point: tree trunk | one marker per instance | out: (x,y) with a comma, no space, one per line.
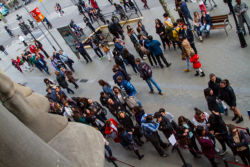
(164,5)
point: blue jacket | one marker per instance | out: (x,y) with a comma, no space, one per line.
(119,73)
(148,128)
(81,48)
(154,47)
(128,87)
(207,18)
(184,9)
(108,90)
(119,47)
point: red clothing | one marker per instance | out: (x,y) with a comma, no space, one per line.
(207,147)
(203,7)
(109,132)
(195,61)
(32,49)
(94,4)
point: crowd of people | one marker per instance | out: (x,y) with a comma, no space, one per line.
(120,116)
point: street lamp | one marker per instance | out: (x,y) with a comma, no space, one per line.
(238,28)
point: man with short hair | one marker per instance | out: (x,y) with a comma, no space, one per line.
(80,47)
(65,59)
(146,74)
(241,11)
(186,32)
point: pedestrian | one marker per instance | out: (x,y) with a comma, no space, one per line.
(149,130)
(69,76)
(119,46)
(16,65)
(145,2)
(62,82)
(120,96)
(21,38)
(130,59)
(119,72)
(66,60)
(57,63)
(207,145)
(111,130)
(241,11)
(68,113)
(9,31)
(117,30)
(125,4)
(175,35)
(87,22)
(200,118)
(202,5)
(214,84)
(99,111)
(197,65)
(58,9)
(186,32)
(143,40)
(80,47)
(146,74)
(115,107)
(141,29)
(94,4)
(197,25)
(39,46)
(206,23)
(154,47)
(106,87)
(126,85)
(127,141)
(187,50)
(212,103)
(94,43)
(41,64)
(119,62)
(238,141)
(119,9)
(160,30)
(48,23)
(107,51)
(2,48)
(227,94)
(185,13)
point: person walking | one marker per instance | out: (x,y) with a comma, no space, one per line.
(146,74)
(21,38)
(187,50)
(145,2)
(69,76)
(80,47)
(39,45)
(154,47)
(94,43)
(149,130)
(62,82)
(2,48)
(87,22)
(125,4)
(126,85)
(227,94)
(41,64)
(66,60)
(241,11)
(186,32)
(185,12)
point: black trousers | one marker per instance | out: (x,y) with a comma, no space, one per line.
(150,58)
(161,57)
(45,53)
(193,46)
(70,66)
(86,56)
(98,52)
(91,27)
(157,142)
(212,161)
(193,148)
(165,41)
(245,156)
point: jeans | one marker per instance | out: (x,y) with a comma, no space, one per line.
(197,30)
(188,62)
(205,28)
(187,17)
(151,79)
(135,67)
(45,68)
(98,52)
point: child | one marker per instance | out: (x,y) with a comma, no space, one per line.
(197,65)
(107,51)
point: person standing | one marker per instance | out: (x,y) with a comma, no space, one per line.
(21,38)
(185,12)
(160,30)
(39,45)
(145,2)
(149,130)
(146,74)
(87,22)
(125,4)
(94,43)
(241,11)
(187,50)
(65,59)
(186,32)
(227,94)
(62,82)
(117,29)
(130,59)
(154,47)
(80,47)
(2,48)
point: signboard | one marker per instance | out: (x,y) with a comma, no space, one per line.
(37,15)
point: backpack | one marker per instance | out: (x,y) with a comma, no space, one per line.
(131,101)
(146,71)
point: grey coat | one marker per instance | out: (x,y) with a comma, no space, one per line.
(238,9)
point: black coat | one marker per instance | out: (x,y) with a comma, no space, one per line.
(2,48)
(215,86)
(166,127)
(127,123)
(61,81)
(160,30)
(217,124)
(212,104)
(227,94)
(188,34)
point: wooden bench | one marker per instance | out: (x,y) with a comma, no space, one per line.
(220,22)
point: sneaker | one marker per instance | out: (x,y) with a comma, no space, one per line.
(202,74)
(235,117)
(169,64)
(226,111)
(223,152)
(160,93)
(164,155)
(240,120)
(186,70)
(197,73)
(141,157)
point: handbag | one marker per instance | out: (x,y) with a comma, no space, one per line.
(144,50)
(131,101)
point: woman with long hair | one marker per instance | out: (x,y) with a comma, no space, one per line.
(106,87)
(160,30)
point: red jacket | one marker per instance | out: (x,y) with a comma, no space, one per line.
(108,130)
(195,61)
(94,4)
(32,49)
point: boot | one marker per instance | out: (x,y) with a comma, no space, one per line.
(240,120)
(138,154)
(235,117)
(202,74)
(197,73)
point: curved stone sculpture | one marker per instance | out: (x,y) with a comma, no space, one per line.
(32,137)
